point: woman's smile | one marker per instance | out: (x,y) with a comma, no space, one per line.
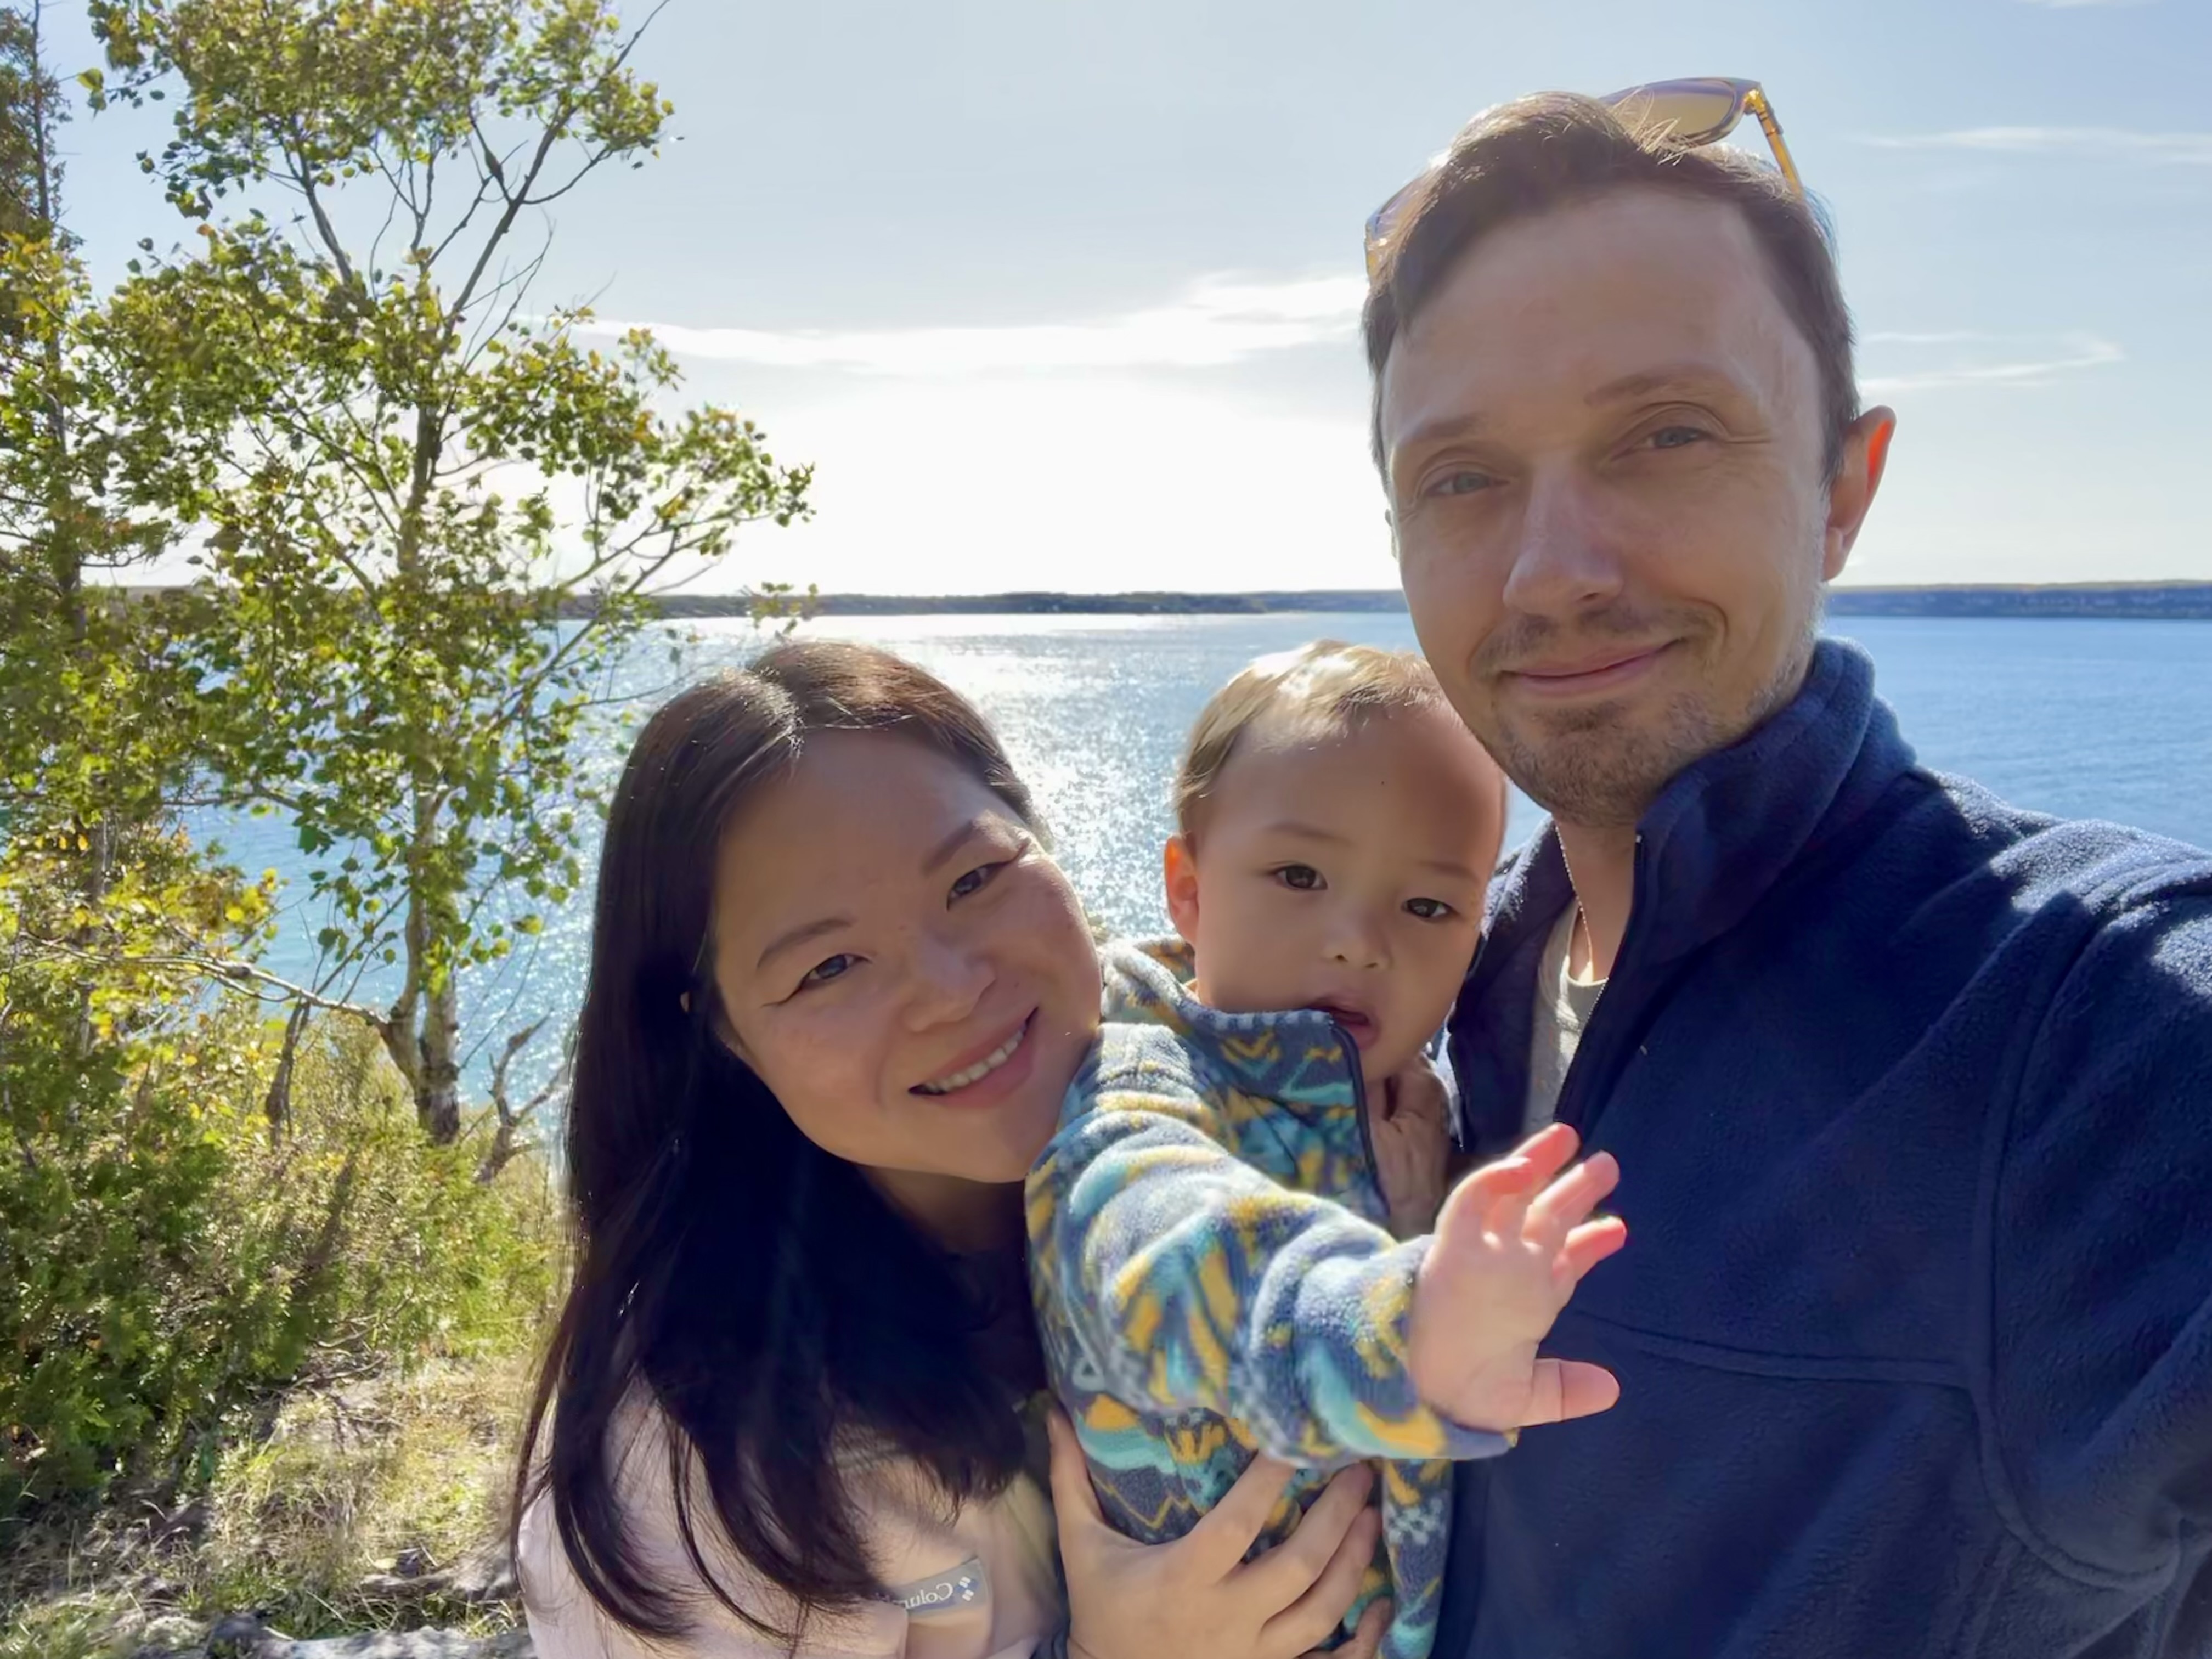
(963,1081)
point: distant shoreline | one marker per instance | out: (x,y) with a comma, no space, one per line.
(2160,601)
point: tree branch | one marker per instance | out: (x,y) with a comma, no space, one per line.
(229,969)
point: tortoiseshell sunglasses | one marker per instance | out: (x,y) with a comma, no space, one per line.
(1686,113)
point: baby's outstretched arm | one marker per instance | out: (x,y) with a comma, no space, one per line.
(1185,1279)
(1513,1241)
(1188,1279)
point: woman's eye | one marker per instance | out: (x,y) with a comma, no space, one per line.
(827,969)
(1428,909)
(975,879)
(1302,876)
(1677,437)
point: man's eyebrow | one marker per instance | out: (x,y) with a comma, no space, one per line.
(1667,377)
(1438,429)
(799,935)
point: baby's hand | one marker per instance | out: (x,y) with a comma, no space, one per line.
(1411,1134)
(1513,1240)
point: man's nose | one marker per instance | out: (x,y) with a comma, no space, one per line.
(1564,559)
(949,978)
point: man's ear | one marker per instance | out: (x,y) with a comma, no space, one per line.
(1851,492)
(1179,868)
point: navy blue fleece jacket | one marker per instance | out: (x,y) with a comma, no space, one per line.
(1913,1097)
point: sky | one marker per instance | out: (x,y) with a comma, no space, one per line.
(1058,295)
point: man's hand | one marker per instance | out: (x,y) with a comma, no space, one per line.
(1412,1135)
(1513,1241)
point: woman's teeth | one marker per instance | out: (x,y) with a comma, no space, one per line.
(981,1069)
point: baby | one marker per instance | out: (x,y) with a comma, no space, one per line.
(1212,1251)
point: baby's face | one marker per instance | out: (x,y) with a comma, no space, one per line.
(1345,874)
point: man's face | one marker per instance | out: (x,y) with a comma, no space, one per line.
(1602,439)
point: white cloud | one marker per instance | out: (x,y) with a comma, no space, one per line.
(1217,321)
(1986,360)
(2166,149)
(1085,483)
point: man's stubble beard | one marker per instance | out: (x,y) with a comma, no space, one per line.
(1594,768)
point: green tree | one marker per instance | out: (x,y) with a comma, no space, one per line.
(405,477)
(30,107)
(166,1260)
(93,730)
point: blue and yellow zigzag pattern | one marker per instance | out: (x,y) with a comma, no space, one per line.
(1213,1279)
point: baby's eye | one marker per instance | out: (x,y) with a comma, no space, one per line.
(827,969)
(1428,909)
(975,880)
(1302,877)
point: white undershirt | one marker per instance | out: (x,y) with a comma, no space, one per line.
(1564,1006)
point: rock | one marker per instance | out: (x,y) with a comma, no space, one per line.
(485,1575)
(412,1645)
(412,1562)
(171,1636)
(399,1587)
(243,1636)
(189,1522)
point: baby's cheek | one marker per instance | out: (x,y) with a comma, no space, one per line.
(1241,980)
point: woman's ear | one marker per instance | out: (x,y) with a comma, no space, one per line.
(719,1028)
(1179,866)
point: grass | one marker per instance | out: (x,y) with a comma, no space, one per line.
(302,1525)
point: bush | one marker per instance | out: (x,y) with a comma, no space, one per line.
(168,1254)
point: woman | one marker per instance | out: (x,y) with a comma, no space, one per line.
(836,989)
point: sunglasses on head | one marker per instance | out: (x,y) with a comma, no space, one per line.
(1686,114)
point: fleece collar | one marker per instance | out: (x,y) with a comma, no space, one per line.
(1720,836)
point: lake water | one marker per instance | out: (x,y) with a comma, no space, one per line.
(2082,718)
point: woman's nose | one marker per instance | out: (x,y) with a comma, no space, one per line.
(949,978)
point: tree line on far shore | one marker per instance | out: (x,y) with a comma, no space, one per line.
(2171,601)
(325,392)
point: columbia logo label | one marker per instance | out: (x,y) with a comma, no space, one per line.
(963,1586)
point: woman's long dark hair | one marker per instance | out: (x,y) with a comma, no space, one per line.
(771,1302)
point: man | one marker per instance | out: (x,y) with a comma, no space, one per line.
(1911,1092)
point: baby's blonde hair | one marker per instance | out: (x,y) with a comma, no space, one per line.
(1318,690)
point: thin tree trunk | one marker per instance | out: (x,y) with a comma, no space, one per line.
(438,1098)
(64,548)
(276,1106)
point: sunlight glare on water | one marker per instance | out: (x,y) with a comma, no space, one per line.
(2079,718)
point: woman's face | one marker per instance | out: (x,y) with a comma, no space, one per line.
(903,965)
